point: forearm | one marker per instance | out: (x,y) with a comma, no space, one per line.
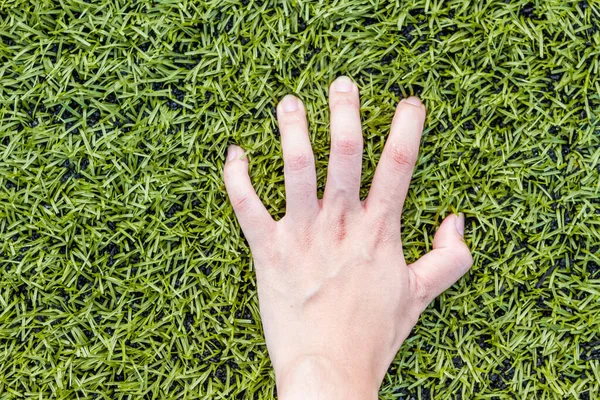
(316,378)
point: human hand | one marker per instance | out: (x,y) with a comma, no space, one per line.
(336,296)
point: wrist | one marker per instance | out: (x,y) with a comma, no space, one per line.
(315,377)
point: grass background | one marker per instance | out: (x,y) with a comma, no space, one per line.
(123,271)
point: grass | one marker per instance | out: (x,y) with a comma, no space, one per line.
(123,271)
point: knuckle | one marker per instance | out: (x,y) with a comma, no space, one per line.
(339,227)
(298,162)
(292,119)
(343,100)
(402,155)
(421,290)
(383,233)
(348,146)
(240,202)
(337,220)
(228,171)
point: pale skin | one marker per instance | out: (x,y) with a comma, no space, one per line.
(337,298)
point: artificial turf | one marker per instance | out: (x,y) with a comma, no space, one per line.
(124,273)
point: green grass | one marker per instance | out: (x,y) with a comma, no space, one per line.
(123,270)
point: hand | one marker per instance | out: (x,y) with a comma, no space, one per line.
(336,296)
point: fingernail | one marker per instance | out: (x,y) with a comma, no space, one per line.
(289,103)
(414,101)
(459,222)
(231,152)
(343,84)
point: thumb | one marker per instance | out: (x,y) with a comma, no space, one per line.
(439,269)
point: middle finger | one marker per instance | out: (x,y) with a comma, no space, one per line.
(345,160)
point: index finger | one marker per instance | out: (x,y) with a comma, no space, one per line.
(395,168)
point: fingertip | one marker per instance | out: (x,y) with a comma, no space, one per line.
(413,100)
(289,103)
(344,97)
(234,152)
(459,223)
(460,247)
(343,84)
(231,152)
(411,105)
(450,234)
